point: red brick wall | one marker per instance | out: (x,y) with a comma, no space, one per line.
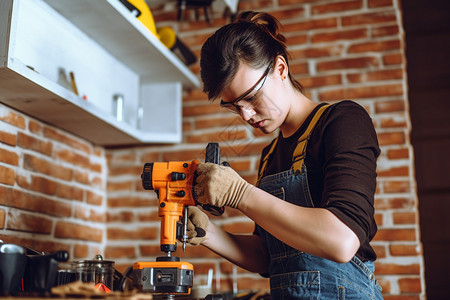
(57,191)
(52,187)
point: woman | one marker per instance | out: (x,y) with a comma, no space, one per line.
(313,202)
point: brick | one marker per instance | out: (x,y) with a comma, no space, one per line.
(383,31)
(380,251)
(402,153)
(319,81)
(296,39)
(410,285)
(286,15)
(336,7)
(380,3)
(150,250)
(394,203)
(35,127)
(66,139)
(32,143)
(150,157)
(132,201)
(125,170)
(376,76)
(69,192)
(340,35)
(395,235)
(314,24)
(68,155)
(199,110)
(145,233)
(29,223)
(9,157)
(203,269)
(31,202)
(8,138)
(405,250)
(347,63)
(391,138)
(122,217)
(362,92)
(120,186)
(148,216)
(96,167)
(316,52)
(44,166)
(398,269)
(394,171)
(81,177)
(7,175)
(94,198)
(2,218)
(394,122)
(86,214)
(120,252)
(394,186)
(393,59)
(218,122)
(81,251)
(12,118)
(71,230)
(389,106)
(405,218)
(369,18)
(378,46)
(299,68)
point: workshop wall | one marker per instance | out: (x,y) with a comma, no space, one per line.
(60,192)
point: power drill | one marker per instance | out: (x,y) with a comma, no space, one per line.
(173,182)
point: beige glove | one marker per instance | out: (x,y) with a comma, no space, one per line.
(197,224)
(220,185)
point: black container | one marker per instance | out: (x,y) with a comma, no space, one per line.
(12,269)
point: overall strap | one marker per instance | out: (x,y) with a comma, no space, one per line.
(299,152)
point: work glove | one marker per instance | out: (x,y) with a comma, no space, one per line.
(197,224)
(220,185)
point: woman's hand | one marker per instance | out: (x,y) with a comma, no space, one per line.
(197,225)
(220,186)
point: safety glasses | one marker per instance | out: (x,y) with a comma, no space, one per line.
(236,108)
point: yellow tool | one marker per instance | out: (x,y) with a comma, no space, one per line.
(173,182)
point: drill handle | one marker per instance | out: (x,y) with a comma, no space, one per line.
(212,155)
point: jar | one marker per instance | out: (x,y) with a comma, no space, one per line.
(95,271)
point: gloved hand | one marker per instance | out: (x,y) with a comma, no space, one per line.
(220,185)
(197,224)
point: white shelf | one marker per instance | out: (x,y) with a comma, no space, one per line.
(109,51)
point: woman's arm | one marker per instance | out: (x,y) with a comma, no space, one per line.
(316,231)
(246,251)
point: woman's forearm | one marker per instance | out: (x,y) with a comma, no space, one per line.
(246,251)
(316,231)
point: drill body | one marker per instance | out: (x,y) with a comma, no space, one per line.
(174,184)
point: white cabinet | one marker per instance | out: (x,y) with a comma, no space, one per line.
(109,52)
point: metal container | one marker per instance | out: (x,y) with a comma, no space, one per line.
(95,271)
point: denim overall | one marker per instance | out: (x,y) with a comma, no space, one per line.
(297,275)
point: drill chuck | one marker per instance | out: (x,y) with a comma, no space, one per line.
(146,176)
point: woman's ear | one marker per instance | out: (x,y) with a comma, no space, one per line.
(281,68)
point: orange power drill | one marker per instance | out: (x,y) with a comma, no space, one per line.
(173,182)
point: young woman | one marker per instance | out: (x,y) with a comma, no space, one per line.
(313,202)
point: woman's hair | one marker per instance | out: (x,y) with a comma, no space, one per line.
(254,38)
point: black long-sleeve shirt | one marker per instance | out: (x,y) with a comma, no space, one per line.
(341,163)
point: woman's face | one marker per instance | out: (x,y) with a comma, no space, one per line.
(252,94)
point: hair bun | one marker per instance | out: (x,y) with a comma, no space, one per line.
(265,21)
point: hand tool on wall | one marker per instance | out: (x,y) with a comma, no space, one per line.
(173,182)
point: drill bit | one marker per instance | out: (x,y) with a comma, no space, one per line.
(185,221)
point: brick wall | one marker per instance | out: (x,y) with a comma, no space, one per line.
(52,187)
(70,194)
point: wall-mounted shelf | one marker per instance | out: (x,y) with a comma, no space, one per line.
(109,51)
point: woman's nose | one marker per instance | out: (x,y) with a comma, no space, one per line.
(246,113)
